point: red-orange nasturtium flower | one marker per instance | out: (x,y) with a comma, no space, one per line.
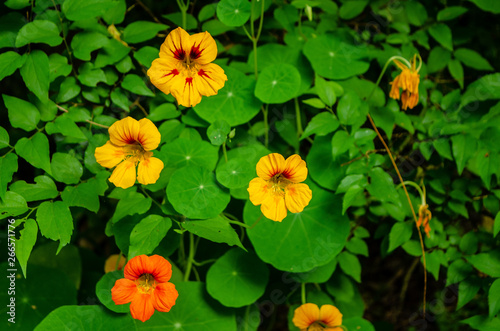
(184,67)
(279,187)
(146,286)
(408,81)
(129,146)
(309,317)
(112,263)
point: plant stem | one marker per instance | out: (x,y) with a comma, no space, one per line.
(298,117)
(383,71)
(303,293)
(266,125)
(190,257)
(224,150)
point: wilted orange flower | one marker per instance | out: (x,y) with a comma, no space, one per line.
(424,216)
(277,188)
(408,80)
(130,144)
(309,317)
(111,263)
(146,286)
(184,67)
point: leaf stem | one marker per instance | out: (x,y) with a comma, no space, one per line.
(224,150)
(266,125)
(299,119)
(303,293)
(190,257)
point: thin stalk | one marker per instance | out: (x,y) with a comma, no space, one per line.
(224,151)
(266,125)
(383,71)
(190,257)
(298,117)
(303,293)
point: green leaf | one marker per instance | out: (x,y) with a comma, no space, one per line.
(488,263)
(112,53)
(417,15)
(442,145)
(442,33)
(12,205)
(349,263)
(235,173)
(469,243)
(463,147)
(496,226)
(85,42)
(165,111)
(90,76)
(22,114)
(9,62)
(133,203)
(382,186)
(438,58)
(147,234)
(278,84)
(4,138)
(491,6)
(35,73)
(39,31)
(120,99)
(55,222)
(467,289)
(472,59)
(318,275)
(357,246)
(234,12)
(58,66)
(494,298)
(194,193)
(400,233)
(84,195)
(135,84)
(458,271)
(183,152)
(146,55)
(304,240)
(25,243)
(35,151)
(215,229)
(349,108)
(485,88)
(314,102)
(327,90)
(76,10)
(217,132)
(357,323)
(140,31)
(45,188)
(68,90)
(334,59)
(103,291)
(457,71)
(321,125)
(351,9)
(65,126)
(450,13)
(237,278)
(66,168)
(8,166)
(116,14)
(17,4)
(207,11)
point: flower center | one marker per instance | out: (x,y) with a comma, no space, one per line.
(278,183)
(316,326)
(146,283)
(135,152)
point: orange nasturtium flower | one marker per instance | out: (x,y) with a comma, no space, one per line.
(278,186)
(408,81)
(112,263)
(309,317)
(184,67)
(424,216)
(146,286)
(130,144)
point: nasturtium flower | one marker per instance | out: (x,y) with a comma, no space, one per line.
(309,317)
(129,146)
(146,286)
(184,67)
(113,264)
(408,81)
(278,186)
(424,216)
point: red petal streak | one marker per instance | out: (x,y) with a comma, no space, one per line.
(189,81)
(195,52)
(203,73)
(179,53)
(174,72)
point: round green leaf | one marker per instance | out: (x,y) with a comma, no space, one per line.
(278,83)
(194,193)
(183,152)
(217,132)
(235,102)
(66,168)
(235,173)
(323,168)
(302,241)
(39,31)
(237,278)
(332,58)
(234,12)
(103,291)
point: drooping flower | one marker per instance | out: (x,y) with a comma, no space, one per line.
(309,317)
(146,286)
(408,81)
(424,216)
(113,264)
(278,186)
(129,146)
(184,67)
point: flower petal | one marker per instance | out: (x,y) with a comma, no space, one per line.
(305,315)
(297,196)
(110,264)
(137,266)
(270,165)
(124,175)
(164,74)
(109,155)
(124,291)
(160,268)
(330,315)
(176,46)
(210,79)
(141,307)
(164,296)
(124,132)
(273,207)
(258,191)
(203,48)
(149,136)
(185,90)
(149,170)
(295,169)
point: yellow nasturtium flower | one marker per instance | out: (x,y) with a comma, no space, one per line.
(408,81)
(279,187)
(309,317)
(184,67)
(129,146)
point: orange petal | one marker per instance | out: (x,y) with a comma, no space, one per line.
(160,268)
(110,264)
(164,73)
(124,132)
(109,155)
(149,170)
(273,207)
(141,307)
(164,297)
(123,292)
(210,79)
(297,196)
(136,266)
(176,46)
(258,190)
(270,165)
(330,315)
(124,175)
(295,169)
(149,136)
(400,65)
(305,315)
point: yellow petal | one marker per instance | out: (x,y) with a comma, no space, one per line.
(305,315)
(149,136)
(164,73)
(124,132)
(124,175)
(210,79)
(176,46)
(270,165)
(297,196)
(149,170)
(330,315)
(273,207)
(258,190)
(203,48)
(109,155)
(295,169)
(400,65)
(185,90)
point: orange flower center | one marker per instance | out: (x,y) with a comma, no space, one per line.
(278,183)
(146,283)
(136,153)
(316,326)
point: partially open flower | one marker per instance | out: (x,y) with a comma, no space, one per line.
(309,317)
(113,264)
(424,216)
(408,81)
(184,67)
